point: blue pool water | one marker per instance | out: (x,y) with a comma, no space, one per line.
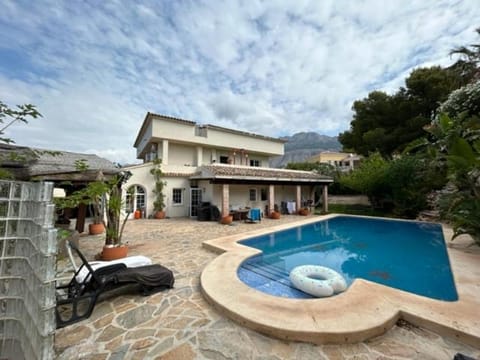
(406,255)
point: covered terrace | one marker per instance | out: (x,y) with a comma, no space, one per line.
(302,182)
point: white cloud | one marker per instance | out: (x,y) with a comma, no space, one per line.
(276,68)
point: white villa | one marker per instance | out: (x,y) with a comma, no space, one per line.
(207,163)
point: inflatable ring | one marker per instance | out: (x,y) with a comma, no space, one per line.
(318,281)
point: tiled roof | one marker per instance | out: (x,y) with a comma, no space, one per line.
(43,162)
(258,173)
(62,162)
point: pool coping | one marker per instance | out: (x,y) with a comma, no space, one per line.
(331,320)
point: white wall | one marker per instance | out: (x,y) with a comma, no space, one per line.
(171,209)
(180,154)
(141,176)
(144,140)
(160,128)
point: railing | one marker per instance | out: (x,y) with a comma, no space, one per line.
(28,244)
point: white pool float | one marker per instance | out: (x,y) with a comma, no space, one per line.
(318,281)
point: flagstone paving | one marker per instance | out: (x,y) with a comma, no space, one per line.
(179,323)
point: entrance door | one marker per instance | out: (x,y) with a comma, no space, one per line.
(195,201)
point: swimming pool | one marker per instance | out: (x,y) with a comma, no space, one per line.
(406,255)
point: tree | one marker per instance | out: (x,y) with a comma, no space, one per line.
(10,116)
(106,197)
(387,123)
(468,66)
(464,100)
(400,185)
(410,179)
(22,113)
(369,179)
(455,138)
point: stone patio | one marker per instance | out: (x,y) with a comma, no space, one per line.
(180,324)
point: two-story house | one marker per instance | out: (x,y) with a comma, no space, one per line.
(208,163)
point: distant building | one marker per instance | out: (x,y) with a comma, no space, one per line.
(342,161)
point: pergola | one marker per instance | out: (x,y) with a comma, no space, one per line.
(67,170)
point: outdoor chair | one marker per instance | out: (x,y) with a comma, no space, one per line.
(76,300)
(254,215)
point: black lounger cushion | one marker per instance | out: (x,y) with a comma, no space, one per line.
(150,277)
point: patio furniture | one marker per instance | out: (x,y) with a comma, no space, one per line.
(77,299)
(254,215)
(130,262)
(239,214)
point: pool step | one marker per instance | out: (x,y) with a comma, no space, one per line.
(271,272)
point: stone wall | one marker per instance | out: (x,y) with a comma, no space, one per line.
(348,199)
(28,245)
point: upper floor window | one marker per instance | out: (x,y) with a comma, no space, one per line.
(177,196)
(223,159)
(254,162)
(201,131)
(150,156)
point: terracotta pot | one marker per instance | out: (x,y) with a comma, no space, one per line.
(114,252)
(226,220)
(275,215)
(95,229)
(137,214)
(160,214)
(303,212)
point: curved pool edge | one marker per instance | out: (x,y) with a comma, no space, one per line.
(317,321)
(364,311)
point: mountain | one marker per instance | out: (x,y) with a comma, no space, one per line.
(303,145)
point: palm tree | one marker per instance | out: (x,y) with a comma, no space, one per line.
(468,65)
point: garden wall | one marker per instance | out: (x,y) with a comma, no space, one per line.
(348,199)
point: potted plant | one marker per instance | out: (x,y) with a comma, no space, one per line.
(226,220)
(89,195)
(93,194)
(275,215)
(303,211)
(159,203)
(109,193)
(114,224)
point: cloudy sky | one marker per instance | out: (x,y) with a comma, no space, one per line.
(94,68)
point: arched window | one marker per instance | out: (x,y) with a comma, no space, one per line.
(135,198)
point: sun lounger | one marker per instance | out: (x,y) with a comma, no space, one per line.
(130,262)
(77,299)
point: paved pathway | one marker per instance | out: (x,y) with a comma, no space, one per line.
(179,324)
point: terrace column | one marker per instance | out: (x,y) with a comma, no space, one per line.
(271,199)
(165,152)
(199,155)
(325,198)
(225,200)
(299,197)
